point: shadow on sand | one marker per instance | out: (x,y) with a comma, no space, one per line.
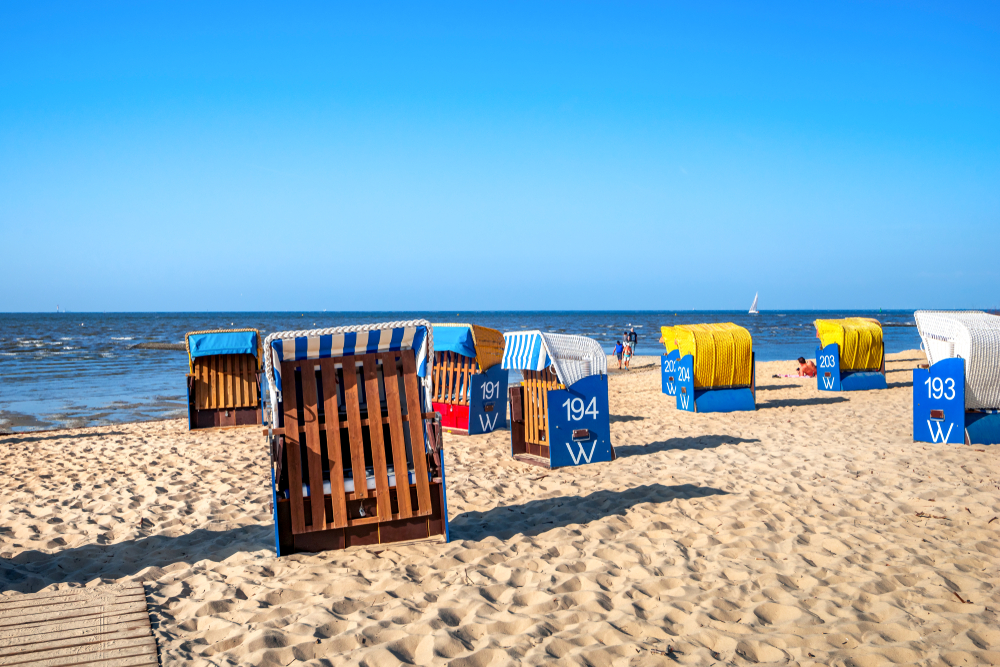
(538,516)
(694,442)
(31,571)
(624,418)
(797,402)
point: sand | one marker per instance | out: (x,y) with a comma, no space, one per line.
(813,531)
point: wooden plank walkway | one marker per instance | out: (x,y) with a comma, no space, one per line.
(106,626)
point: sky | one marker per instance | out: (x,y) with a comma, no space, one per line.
(190,156)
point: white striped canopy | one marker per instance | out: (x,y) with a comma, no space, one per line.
(975,337)
(344,342)
(573,357)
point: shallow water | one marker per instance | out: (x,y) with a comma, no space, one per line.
(75,369)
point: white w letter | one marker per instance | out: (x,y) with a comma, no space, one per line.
(582,455)
(940,431)
(484,421)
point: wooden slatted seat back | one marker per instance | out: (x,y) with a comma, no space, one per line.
(535,404)
(354,413)
(225,381)
(452,378)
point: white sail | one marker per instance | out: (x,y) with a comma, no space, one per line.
(753,308)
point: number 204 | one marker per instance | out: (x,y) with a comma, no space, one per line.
(940,388)
(575,410)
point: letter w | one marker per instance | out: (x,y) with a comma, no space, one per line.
(685,401)
(828,382)
(484,421)
(582,455)
(940,435)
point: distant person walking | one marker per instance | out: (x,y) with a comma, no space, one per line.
(628,356)
(633,338)
(619,350)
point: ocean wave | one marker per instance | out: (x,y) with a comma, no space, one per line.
(122,338)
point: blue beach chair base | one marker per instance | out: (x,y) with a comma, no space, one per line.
(829,377)
(939,414)
(727,399)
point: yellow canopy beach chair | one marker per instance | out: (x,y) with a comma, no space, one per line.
(851,355)
(715,366)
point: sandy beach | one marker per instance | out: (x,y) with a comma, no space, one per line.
(813,531)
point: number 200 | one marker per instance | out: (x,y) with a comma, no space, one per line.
(575,411)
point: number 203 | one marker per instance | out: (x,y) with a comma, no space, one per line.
(940,388)
(575,411)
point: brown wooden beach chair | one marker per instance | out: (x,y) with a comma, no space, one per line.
(223,381)
(355,452)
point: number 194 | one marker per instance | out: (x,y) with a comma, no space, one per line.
(575,411)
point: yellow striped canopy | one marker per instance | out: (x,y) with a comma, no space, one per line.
(489,344)
(860,341)
(723,353)
(669,340)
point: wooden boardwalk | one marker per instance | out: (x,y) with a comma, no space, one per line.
(106,626)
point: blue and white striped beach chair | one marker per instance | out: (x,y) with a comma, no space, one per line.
(559,413)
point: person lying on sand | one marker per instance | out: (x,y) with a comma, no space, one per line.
(807,369)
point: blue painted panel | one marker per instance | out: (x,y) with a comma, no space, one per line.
(274,508)
(982,428)
(668,372)
(940,387)
(862,380)
(444,500)
(488,401)
(685,383)
(828,368)
(724,400)
(587,409)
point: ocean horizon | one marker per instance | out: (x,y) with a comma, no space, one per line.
(74,369)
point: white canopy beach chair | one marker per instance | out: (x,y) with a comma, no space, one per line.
(559,413)
(963,376)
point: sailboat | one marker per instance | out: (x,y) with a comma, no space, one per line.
(753,306)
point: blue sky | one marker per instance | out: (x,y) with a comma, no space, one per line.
(262,156)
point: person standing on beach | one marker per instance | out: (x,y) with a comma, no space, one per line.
(619,349)
(628,356)
(633,338)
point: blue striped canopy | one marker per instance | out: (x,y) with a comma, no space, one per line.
(349,344)
(524,352)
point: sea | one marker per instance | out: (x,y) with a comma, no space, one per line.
(69,370)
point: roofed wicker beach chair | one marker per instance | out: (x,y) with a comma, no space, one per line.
(851,355)
(956,395)
(355,450)
(559,413)
(470,387)
(714,367)
(223,381)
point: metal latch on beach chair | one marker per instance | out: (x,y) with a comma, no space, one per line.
(581,435)
(937,415)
